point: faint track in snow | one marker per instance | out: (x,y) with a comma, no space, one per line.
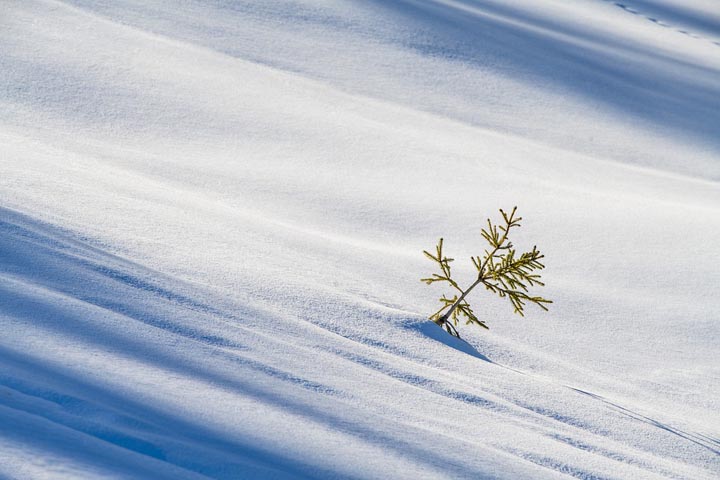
(699,439)
(651,18)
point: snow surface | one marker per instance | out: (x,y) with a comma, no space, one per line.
(212,213)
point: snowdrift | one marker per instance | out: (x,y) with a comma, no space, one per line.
(212,216)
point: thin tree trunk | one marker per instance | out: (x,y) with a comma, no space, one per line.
(444,319)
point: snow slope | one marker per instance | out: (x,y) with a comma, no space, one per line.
(212,213)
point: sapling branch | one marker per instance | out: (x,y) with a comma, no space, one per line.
(499,270)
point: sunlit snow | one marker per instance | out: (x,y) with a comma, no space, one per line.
(212,215)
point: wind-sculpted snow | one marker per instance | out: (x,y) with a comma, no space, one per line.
(595,76)
(147,377)
(212,216)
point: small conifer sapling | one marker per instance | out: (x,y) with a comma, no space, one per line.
(500,270)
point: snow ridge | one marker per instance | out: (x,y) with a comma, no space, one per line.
(212,213)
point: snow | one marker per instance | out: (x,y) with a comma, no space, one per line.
(212,216)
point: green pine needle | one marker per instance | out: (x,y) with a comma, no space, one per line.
(500,270)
